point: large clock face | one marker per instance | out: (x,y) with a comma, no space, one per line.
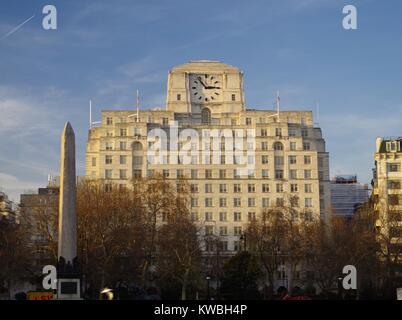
(205,88)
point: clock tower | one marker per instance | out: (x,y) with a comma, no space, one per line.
(205,85)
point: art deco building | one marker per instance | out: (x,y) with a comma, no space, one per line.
(387,188)
(276,154)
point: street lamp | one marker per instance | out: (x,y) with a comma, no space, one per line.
(208,278)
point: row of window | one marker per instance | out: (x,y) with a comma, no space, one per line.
(251,202)
(248,121)
(264,159)
(237,174)
(277,146)
(237,217)
(251,188)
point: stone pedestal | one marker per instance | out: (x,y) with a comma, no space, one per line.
(68,289)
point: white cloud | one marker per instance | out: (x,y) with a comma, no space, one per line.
(13,186)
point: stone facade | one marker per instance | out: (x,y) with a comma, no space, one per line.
(288,151)
(387,187)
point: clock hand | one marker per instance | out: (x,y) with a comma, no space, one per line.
(199,79)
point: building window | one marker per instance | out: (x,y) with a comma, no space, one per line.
(251,216)
(308,188)
(108,160)
(222,188)
(292,159)
(264,132)
(205,116)
(208,202)
(223,231)
(248,121)
(222,202)
(209,230)
(237,231)
(208,188)
(304,133)
(279,161)
(393,146)
(278,146)
(292,174)
(137,173)
(265,187)
(306,146)
(237,202)
(251,188)
(236,188)
(208,216)
(222,216)
(393,167)
(123,174)
(307,174)
(137,160)
(108,146)
(251,202)
(237,216)
(292,132)
(194,202)
(307,159)
(208,174)
(178,97)
(293,146)
(109,121)
(123,132)
(264,173)
(93,161)
(108,174)
(264,145)
(308,202)
(165,173)
(278,174)
(293,187)
(222,174)
(236,245)
(123,145)
(264,159)
(123,159)
(194,216)
(279,187)
(278,132)
(194,174)
(194,188)
(233,97)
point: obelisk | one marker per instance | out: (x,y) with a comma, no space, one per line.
(68,273)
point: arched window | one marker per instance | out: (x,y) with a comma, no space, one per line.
(278,146)
(206,116)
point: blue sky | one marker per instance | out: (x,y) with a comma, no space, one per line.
(105,50)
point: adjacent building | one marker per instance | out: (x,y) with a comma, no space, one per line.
(387,188)
(347,194)
(39,211)
(239,161)
(7,208)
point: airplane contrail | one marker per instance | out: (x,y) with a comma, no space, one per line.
(17,27)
